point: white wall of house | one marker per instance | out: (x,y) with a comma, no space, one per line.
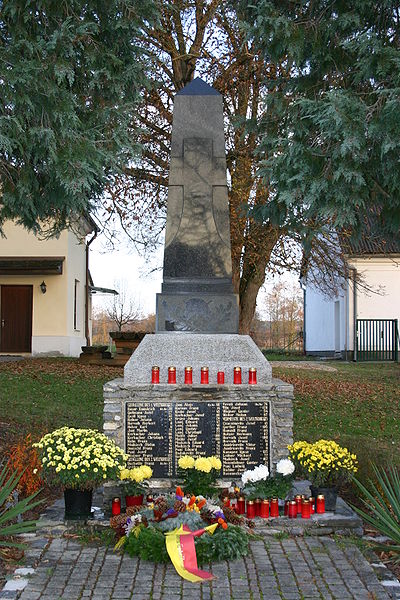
(329,322)
(325,322)
(381,275)
(54,331)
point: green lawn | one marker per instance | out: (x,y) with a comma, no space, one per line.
(39,395)
(358,406)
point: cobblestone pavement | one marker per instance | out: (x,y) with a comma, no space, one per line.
(287,569)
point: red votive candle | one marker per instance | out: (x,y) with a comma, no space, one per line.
(116,506)
(286,509)
(312,504)
(264,509)
(251,509)
(292,511)
(257,504)
(171,375)
(320,505)
(204,375)
(237,375)
(241,505)
(155,375)
(227,501)
(220,377)
(252,376)
(299,500)
(274,507)
(305,509)
(188,375)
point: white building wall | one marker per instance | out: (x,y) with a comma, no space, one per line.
(320,322)
(378,296)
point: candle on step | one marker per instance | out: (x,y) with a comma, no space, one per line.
(252,376)
(171,374)
(188,375)
(116,506)
(155,375)
(264,510)
(251,509)
(320,504)
(237,375)
(220,377)
(274,507)
(305,509)
(204,375)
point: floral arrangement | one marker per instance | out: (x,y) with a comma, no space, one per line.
(258,483)
(79,458)
(324,462)
(141,531)
(200,474)
(135,483)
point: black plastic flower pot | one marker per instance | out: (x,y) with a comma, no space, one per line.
(78,503)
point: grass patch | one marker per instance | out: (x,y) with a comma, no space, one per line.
(278,354)
(358,406)
(38,395)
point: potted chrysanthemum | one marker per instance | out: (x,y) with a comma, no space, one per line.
(135,484)
(79,460)
(199,475)
(326,464)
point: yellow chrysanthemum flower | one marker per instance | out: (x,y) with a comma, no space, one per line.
(186,462)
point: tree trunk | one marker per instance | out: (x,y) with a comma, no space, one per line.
(255,261)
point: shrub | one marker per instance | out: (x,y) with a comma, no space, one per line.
(25,461)
(9,512)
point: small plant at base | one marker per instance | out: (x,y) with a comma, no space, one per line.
(383,504)
(8,483)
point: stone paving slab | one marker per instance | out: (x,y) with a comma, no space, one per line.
(293,568)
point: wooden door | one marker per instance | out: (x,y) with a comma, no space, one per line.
(16,318)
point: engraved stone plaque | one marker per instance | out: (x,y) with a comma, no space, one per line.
(159,433)
(149,436)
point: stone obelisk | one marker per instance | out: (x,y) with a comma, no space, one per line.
(197,313)
(197,293)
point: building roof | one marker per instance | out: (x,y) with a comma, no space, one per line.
(31,265)
(371,241)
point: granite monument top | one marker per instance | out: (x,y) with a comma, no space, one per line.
(197,292)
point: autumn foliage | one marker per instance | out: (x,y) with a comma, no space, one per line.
(24,459)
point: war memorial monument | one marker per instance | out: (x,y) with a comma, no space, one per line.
(197,326)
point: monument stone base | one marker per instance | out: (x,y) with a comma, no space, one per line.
(219,352)
(156,424)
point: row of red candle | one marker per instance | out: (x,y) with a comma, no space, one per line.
(265,508)
(204,378)
(270,508)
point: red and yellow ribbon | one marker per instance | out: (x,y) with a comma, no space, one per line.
(182,552)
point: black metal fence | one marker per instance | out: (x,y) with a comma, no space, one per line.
(376,339)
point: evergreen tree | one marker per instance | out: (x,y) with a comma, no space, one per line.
(70,79)
(330,132)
